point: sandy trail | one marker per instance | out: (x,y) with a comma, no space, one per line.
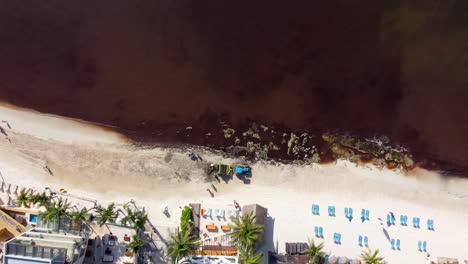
(93,163)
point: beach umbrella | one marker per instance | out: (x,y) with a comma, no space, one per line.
(332,260)
(343,260)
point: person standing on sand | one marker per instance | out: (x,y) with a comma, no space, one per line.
(214,188)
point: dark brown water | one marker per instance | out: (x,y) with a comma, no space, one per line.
(398,68)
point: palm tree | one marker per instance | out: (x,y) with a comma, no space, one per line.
(42,199)
(140,220)
(106,213)
(137,218)
(129,217)
(56,211)
(80,217)
(136,244)
(22,199)
(182,245)
(247,257)
(245,232)
(315,252)
(370,257)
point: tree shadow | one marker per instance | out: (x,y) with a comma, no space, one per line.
(268,244)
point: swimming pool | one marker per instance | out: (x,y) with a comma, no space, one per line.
(33,219)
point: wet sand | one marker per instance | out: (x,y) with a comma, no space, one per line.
(153,68)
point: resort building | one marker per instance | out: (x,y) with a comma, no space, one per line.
(53,243)
(211,223)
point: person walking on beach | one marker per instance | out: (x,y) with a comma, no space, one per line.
(214,188)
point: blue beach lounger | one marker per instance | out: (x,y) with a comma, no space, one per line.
(333,210)
(350,212)
(398,244)
(320,231)
(424,246)
(402,220)
(419,245)
(366,241)
(363,213)
(367,214)
(360,241)
(346,212)
(389,220)
(313,208)
(317,209)
(393,244)
(414,222)
(316,231)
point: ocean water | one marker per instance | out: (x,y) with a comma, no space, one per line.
(152,68)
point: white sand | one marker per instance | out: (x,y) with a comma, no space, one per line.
(86,166)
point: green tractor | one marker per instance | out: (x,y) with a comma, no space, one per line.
(221,169)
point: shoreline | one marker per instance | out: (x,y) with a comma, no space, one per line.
(118,172)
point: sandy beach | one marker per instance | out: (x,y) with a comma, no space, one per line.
(98,164)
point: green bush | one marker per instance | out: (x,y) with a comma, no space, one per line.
(186,218)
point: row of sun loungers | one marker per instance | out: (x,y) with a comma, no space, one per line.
(361,239)
(395,245)
(416,222)
(220,213)
(213,227)
(296,248)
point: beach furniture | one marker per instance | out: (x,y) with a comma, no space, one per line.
(366,241)
(331,210)
(346,212)
(393,243)
(363,214)
(414,222)
(335,238)
(221,213)
(389,220)
(316,231)
(211,227)
(216,212)
(360,240)
(339,238)
(367,214)
(424,246)
(350,213)
(398,244)
(418,220)
(320,231)
(208,212)
(419,245)
(430,224)
(317,209)
(225,228)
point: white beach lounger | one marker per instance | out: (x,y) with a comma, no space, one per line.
(221,213)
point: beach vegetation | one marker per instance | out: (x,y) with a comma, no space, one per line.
(136,244)
(315,252)
(135,218)
(106,214)
(247,256)
(22,199)
(186,218)
(245,231)
(182,244)
(371,257)
(80,217)
(41,199)
(56,211)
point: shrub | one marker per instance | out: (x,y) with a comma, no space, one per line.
(186,218)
